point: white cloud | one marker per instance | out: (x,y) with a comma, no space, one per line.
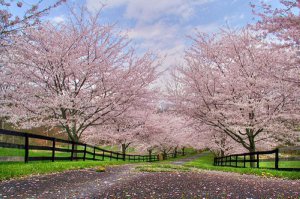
(147,11)
(160,26)
(58,19)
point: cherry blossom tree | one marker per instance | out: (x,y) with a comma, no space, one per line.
(280,25)
(218,142)
(74,75)
(31,14)
(123,130)
(27,15)
(164,131)
(224,87)
(283,21)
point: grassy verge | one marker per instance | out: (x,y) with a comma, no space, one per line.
(10,170)
(165,165)
(205,162)
(159,167)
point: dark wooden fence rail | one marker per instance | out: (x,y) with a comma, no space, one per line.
(233,160)
(78,151)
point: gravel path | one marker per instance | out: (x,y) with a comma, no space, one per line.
(124,182)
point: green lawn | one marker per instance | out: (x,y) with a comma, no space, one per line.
(206,162)
(282,164)
(161,167)
(10,170)
(4,152)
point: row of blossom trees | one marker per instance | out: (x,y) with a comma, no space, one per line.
(242,86)
(238,91)
(85,79)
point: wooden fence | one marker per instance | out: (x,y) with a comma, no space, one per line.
(77,151)
(240,160)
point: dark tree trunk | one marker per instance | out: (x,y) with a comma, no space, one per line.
(150,152)
(124,151)
(251,148)
(175,152)
(183,151)
(222,153)
(164,155)
(75,139)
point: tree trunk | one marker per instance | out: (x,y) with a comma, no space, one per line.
(124,151)
(150,152)
(222,153)
(164,155)
(183,151)
(75,139)
(175,152)
(252,148)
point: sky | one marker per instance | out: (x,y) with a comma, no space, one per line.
(164,26)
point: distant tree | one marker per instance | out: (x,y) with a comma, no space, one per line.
(124,130)
(164,132)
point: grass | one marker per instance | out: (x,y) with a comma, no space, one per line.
(165,166)
(4,152)
(10,170)
(206,162)
(282,164)
(159,167)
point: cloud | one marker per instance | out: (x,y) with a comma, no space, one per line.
(162,26)
(58,19)
(149,11)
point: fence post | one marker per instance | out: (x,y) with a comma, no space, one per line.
(117,157)
(257,160)
(72,152)
(102,155)
(84,153)
(53,149)
(26,148)
(94,155)
(276,159)
(244,161)
(236,161)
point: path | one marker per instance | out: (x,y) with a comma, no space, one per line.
(124,182)
(190,158)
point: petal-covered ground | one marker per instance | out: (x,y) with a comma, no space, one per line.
(125,182)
